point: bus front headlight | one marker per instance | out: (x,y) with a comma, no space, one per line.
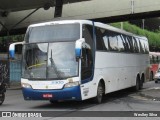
(71,84)
(26,85)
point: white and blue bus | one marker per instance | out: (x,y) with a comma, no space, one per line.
(80,59)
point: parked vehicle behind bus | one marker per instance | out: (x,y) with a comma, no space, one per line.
(154,63)
(80,59)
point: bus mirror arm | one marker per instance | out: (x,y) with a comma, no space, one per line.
(12,49)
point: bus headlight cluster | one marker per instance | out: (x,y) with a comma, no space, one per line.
(71,84)
(26,85)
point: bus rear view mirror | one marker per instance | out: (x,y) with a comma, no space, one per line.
(12,49)
(78,47)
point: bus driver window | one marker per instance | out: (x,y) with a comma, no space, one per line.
(87,63)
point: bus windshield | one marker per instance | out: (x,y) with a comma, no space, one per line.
(55,32)
(54,60)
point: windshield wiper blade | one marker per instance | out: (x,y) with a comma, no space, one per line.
(54,66)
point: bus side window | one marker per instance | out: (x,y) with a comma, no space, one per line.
(130,44)
(86,64)
(145,46)
(141,47)
(135,46)
(99,40)
(88,35)
(137,41)
(113,41)
(126,44)
(105,39)
(120,43)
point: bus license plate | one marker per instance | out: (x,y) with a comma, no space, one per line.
(47,95)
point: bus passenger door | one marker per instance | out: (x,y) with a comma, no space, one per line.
(87,86)
(86,65)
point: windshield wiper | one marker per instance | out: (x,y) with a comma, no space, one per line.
(54,66)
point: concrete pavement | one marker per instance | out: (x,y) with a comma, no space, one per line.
(14,86)
(151,93)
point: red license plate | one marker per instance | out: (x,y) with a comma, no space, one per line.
(47,95)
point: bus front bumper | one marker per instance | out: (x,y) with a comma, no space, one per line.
(72,93)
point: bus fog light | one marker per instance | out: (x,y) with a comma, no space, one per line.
(26,85)
(72,84)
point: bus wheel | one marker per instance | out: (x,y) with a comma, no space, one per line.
(100,91)
(141,82)
(53,101)
(137,87)
(2,97)
(156,81)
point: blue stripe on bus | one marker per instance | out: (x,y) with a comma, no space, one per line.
(72,93)
(78,52)
(12,53)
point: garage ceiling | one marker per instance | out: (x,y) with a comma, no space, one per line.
(18,5)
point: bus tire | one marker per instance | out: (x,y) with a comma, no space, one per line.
(2,97)
(53,101)
(137,87)
(141,81)
(100,92)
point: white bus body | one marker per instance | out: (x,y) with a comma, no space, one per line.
(106,59)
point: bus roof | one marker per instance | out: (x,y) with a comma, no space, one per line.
(61,22)
(98,24)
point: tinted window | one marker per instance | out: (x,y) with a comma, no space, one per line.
(88,35)
(145,46)
(86,64)
(135,45)
(137,40)
(120,43)
(99,39)
(141,46)
(129,38)
(105,39)
(113,42)
(126,43)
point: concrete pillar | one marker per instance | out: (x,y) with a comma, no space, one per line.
(2,20)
